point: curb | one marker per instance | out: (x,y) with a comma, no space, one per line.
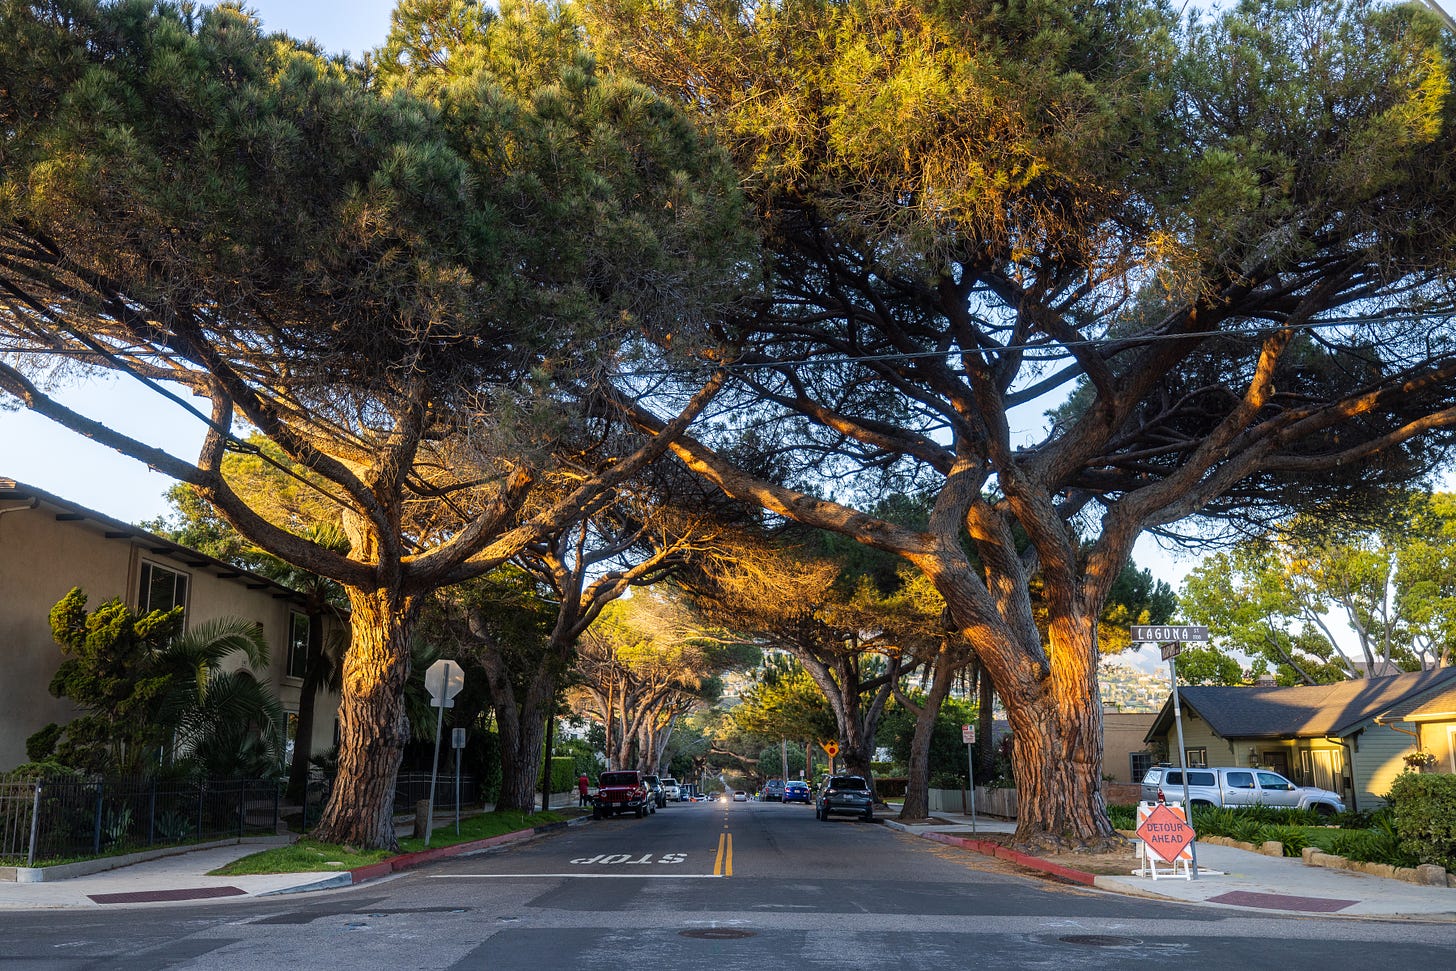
(988,848)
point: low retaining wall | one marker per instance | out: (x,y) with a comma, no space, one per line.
(1427,874)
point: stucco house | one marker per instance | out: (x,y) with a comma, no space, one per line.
(1351,737)
(49,545)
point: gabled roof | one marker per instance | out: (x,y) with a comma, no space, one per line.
(114,529)
(1305,711)
(1438,707)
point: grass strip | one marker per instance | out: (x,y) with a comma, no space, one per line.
(311,856)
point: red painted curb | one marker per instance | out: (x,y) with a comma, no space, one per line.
(397,864)
(1020,859)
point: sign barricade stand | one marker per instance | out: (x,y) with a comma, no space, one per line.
(1164,838)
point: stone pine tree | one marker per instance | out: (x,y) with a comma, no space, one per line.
(389,280)
(1218,251)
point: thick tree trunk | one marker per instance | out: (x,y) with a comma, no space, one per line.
(1057,737)
(373,725)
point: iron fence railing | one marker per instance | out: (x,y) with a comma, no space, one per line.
(411,787)
(59,819)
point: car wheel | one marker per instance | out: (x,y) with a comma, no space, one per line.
(1324,809)
(869,816)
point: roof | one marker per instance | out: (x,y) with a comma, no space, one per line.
(115,529)
(1304,711)
(1438,707)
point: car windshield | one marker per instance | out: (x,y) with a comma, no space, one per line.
(619,778)
(847,782)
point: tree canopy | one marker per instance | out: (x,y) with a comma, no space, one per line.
(1216,250)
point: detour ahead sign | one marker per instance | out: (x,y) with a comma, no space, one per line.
(1164,831)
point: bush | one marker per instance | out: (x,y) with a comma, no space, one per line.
(1122,817)
(563,773)
(1294,838)
(1424,817)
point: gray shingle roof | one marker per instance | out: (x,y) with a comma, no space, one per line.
(1313,711)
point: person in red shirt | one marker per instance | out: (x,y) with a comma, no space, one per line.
(582,785)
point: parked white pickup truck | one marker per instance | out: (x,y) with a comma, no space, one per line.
(1236,787)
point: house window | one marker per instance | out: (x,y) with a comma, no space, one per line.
(161,589)
(1197,757)
(297,644)
(1139,763)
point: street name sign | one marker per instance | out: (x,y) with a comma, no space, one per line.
(1154,634)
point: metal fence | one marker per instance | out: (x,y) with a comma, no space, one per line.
(62,819)
(411,787)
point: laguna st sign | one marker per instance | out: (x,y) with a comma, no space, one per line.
(1178,634)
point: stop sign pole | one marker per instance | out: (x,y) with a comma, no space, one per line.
(1170,641)
(443,680)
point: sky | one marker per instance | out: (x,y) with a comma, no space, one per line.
(42,454)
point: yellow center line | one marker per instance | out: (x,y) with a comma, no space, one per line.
(723,865)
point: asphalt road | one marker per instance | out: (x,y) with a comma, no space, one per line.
(708,885)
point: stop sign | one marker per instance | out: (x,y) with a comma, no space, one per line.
(443,680)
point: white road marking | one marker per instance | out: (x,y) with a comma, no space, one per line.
(577,876)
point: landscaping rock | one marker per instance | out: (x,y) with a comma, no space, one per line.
(1271,848)
(1431,875)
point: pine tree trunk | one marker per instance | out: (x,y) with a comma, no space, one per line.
(373,725)
(1057,739)
(917,788)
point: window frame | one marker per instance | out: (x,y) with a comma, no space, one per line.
(146,584)
(297,666)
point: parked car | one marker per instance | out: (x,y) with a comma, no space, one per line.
(773,790)
(845,794)
(622,792)
(740,796)
(1234,786)
(672,790)
(797,792)
(654,786)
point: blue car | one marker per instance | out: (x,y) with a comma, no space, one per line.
(797,792)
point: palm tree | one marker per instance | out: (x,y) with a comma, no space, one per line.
(224,723)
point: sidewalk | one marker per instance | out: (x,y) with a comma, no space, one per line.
(1230,878)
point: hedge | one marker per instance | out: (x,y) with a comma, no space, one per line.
(1425,816)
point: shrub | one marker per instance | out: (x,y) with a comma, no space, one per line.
(1424,817)
(1216,822)
(1294,838)
(1122,817)
(1354,819)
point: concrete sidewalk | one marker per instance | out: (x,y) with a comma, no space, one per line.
(1232,878)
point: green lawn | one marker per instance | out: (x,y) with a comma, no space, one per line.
(310,856)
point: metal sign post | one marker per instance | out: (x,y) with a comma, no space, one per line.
(457,742)
(443,680)
(968,735)
(1170,640)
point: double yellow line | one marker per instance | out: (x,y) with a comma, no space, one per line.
(723,865)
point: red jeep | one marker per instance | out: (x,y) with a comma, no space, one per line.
(622,792)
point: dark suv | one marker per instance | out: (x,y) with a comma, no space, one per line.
(654,786)
(845,794)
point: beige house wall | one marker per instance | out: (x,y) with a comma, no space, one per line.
(1122,735)
(48,548)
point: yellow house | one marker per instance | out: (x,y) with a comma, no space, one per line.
(1351,737)
(49,545)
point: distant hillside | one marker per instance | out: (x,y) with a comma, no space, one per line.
(1124,688)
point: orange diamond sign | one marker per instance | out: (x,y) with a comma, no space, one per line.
(1165,833)
(830,748)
